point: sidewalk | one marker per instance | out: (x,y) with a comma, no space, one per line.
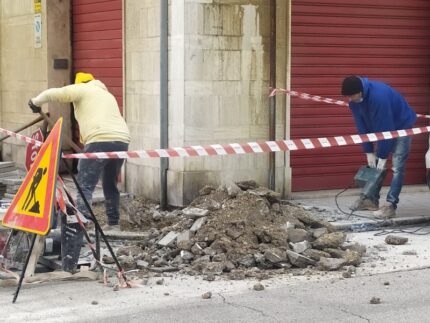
(413,208)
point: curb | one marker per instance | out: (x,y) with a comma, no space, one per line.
(370,225)
(123,235)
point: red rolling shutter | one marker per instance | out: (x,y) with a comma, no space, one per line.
(387,40)
(97,41)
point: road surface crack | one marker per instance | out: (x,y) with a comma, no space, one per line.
(247,307)
(356,315)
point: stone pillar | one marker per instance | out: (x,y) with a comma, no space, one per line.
(218,91)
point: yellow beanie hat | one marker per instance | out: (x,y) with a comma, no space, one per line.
(83,77)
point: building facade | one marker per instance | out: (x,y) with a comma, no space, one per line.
(219,76)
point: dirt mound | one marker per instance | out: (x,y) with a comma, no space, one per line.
(232,230)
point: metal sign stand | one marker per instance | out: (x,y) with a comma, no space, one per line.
(98,228)
(37,241)
(21,277)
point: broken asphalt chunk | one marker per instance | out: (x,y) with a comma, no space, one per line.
(395,240)
(194,212)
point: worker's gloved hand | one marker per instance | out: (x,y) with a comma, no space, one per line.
(34,107)
(381,164)
(371,160)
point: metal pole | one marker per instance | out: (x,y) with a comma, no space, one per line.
(97,225)
(27,259)
(272,100)
(164,96)
(6,245)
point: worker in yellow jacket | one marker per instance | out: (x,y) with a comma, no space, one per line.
(102,129)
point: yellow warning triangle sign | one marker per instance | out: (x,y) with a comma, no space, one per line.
(32,207)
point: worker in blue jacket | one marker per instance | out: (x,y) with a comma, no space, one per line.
(377,107)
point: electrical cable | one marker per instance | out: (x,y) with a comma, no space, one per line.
(352,213)
(413,232)
(379,222)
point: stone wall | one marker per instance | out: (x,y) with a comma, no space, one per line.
(218,85)
(25,69)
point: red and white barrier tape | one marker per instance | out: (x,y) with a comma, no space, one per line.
(245,148)
(254,147)
(316,98)
(21,137)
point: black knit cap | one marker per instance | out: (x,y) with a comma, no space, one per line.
(351,85)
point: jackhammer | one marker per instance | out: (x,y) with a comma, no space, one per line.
(370,180)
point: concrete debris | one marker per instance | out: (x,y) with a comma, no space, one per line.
(11,179)
(375,300)
(361,249)
(193,212)
(236,231)
(127,262)
(258,287)
(207,295)
(319,232)
(298,235)
(335,253)
(346,274)
(299,260)
(288,225)
(184,237)
(395,240)
(206,190)
(329,240)
(160,282)
(315,254)
(301,247)
(233,190)
(246,185)
(133,251)
(168,239)
(330,263)
(197,224)
(142,264)
(275,255)
(352,257)
(270,195)
(166,269)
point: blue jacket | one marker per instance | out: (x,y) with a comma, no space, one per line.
(382,109)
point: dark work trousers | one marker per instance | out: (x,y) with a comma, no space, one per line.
(89,173)
(71,242)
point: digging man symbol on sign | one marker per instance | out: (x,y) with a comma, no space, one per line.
(32,191)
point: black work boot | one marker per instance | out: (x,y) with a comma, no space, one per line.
(364,204)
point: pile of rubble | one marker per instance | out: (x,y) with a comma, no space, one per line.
(11,179)
(237,230)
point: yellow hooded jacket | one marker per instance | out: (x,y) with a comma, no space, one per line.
(96,111)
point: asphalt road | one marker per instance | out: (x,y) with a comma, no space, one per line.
(398,275)
(405,299)
(404,296)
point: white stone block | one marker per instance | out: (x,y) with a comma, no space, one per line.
(168,239)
